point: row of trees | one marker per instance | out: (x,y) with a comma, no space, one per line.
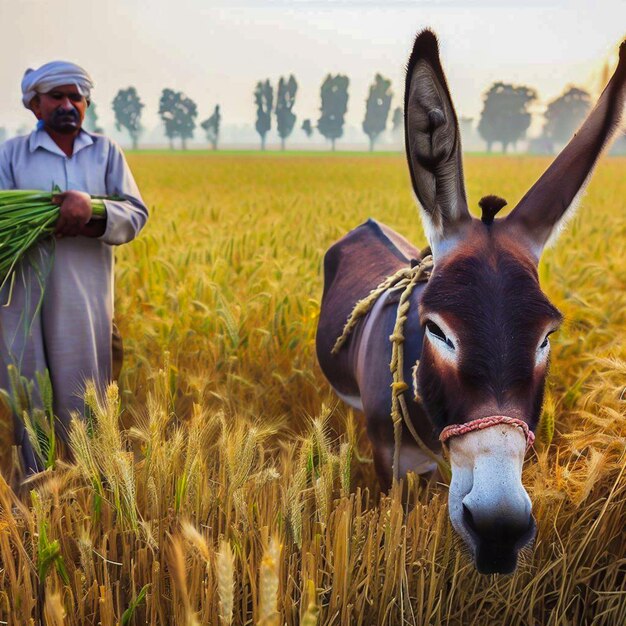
(177,112)
(334,104)
(505,117)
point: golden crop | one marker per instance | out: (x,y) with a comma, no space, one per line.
(224,483)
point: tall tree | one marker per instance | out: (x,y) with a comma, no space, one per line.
(264,100)
(178,113)
(307,128)
(167,106)
(397,121)
(334,95)
(285,99)
(505,117)
(212,127)
(187,112)
(91,119)
(565,114)
(377,108)
(127,107)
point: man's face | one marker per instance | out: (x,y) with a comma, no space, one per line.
(62,109)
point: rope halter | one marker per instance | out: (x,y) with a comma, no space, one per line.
(481,423)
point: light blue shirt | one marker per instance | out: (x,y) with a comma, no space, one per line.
(96,166)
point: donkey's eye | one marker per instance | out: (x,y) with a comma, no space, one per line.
(546,341)
(435,330)
(437,333)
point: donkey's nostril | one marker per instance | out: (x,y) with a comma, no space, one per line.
(468,518)
(497,540)
(498,528)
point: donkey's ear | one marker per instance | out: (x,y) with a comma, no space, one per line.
(554,196)
(433,145)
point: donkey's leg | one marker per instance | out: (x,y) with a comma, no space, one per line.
(383,459)
(411,459)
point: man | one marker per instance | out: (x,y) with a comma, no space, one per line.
(61,308)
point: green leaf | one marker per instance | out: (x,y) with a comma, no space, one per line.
(129,612)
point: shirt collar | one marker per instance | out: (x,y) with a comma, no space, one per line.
(40,139)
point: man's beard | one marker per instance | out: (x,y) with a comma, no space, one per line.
(65,121)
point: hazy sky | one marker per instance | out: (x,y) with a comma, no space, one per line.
(216,50)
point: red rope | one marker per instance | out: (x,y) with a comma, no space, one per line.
(485,422)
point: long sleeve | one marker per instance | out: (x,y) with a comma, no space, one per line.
(6,177)
(127,217)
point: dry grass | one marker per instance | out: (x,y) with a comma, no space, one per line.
(225,484)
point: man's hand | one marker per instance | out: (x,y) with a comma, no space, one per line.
(95,228)
(75,212)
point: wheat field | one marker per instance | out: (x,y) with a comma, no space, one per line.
(223,483)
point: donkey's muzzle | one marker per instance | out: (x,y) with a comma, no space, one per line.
(497,541)
(489,507)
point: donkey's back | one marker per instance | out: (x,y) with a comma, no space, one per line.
(354,266)
(359,372)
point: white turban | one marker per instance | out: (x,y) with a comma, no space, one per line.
(52,75)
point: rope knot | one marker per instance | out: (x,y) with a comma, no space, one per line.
(399,387)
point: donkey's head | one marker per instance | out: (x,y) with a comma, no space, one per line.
(486,321)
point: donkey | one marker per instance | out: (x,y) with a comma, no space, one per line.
(479,328)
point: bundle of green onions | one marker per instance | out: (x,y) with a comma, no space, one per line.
(27,217)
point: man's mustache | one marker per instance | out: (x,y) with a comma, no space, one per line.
(65,115)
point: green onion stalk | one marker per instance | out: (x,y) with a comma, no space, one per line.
(26,218)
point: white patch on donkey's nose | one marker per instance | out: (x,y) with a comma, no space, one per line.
(486,492)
